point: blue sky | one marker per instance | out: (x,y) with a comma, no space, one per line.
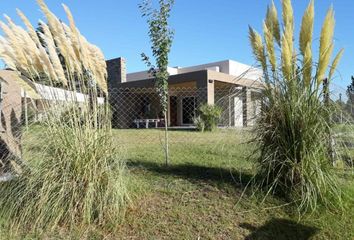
(205,30)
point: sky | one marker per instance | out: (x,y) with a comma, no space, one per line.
(205,30)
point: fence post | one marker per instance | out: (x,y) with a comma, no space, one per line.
(26,109)
(331,141)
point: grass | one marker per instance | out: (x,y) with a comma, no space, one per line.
(198,195)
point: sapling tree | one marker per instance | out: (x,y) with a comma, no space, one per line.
(161,36)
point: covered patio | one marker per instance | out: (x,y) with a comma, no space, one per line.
(137,101)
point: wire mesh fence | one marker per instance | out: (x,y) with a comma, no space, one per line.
(140,107)
(138,123)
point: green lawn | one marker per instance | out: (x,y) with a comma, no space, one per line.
(199,195)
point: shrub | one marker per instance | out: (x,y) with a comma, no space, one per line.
(199,124)
(79,180)
(209,116)
(295,130)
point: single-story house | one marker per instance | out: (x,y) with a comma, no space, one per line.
(233,86)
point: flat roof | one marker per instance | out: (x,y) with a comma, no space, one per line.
(196,76)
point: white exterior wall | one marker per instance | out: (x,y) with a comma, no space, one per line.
(228,67)
(145,75)
(58,94)
(245,71)
(222,66)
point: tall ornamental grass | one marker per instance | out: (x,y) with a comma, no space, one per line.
(294,130)
(79,179)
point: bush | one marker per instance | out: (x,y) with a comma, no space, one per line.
(209,116)
(199,124)
(293,136)
(294,130)
(79,180)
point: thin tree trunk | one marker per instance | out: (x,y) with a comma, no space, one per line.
(166,141)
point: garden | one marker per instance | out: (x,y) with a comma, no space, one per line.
(205,191)
(74,176)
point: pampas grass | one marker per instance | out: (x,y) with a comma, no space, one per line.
(79,178)
(52,59)
(272,22)
(288,14)
(80,181)
(326,45)
(306,31)
(307,65)
(269,40)
(335,63)
(287,55)
(294,127)
(287,41)
(258,47)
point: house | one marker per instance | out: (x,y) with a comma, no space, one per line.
(234,86)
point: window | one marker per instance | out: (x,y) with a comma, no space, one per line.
(188,110)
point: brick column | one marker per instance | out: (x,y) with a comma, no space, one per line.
(117,72)
(116,69)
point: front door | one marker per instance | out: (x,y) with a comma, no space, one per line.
(188,110)
(173,111)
